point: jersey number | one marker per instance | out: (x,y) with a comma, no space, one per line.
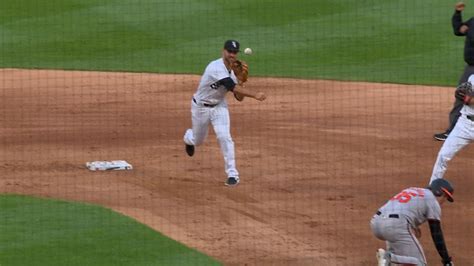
(406,195)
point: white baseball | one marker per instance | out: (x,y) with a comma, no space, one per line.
(248,51)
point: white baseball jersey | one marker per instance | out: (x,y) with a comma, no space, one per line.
(467,110)
(415,204)
(208,106)
(461,135)
(215,83)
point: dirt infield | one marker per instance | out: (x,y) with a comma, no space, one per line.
(316,160)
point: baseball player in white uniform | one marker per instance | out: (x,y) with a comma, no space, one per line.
(397,222)
(460,136)
(208,106)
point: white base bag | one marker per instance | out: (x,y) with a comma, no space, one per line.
(108,165)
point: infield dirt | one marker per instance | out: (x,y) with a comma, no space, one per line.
(316,159)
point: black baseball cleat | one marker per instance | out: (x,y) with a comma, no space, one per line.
(190,149)
(441,136)
(232,181)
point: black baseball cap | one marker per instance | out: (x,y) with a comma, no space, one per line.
(442,186)
(232,46)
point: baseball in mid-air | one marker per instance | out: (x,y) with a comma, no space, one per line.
(248,51)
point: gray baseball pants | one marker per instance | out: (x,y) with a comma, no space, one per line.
(401,243)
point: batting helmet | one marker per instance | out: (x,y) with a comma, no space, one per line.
(440,186)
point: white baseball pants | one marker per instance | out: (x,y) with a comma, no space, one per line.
(462,135)
(218,116)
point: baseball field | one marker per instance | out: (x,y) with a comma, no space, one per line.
(355,91)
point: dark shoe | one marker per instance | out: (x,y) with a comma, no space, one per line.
(441,136)
(232,181)
(190,149)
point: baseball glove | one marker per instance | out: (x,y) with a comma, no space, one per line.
(468,97)
(241,71)
(464,92)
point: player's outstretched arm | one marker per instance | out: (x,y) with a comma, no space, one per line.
(260,96)
(438,239)
(459,28)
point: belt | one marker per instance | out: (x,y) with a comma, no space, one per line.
(205,104)
(389,216)
(470,117)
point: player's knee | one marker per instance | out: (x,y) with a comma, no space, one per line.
(445,157)
(224,138)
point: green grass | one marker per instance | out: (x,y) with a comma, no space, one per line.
(47,232)
(390,41)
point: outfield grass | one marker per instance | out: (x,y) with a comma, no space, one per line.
(47,232)
(391,41)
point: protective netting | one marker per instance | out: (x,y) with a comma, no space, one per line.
(355,92)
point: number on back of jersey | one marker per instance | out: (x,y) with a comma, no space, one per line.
(407,194)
